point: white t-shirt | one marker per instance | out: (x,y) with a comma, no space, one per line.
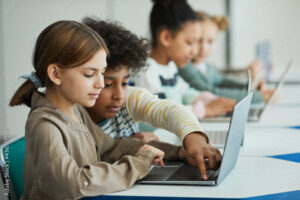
(164,81)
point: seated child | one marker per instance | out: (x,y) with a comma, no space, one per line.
(202,76)
(175,32)
(65,151)
(115,111)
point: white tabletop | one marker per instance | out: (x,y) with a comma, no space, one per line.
(251,176)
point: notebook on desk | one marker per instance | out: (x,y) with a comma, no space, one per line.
(181,173)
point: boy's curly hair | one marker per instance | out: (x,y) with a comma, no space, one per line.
(125,48)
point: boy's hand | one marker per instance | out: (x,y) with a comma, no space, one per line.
(181,154)
(145,136)
(201,154)
(159,155)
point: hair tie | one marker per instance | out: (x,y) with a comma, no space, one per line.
(34,79)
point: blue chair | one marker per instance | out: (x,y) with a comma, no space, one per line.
(12,164)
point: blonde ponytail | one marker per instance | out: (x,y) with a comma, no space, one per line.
(222,22)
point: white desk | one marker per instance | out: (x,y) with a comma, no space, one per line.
(289,95)
(256,174)
(266,141)
(252,176)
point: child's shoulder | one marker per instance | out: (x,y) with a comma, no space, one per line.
(42,111)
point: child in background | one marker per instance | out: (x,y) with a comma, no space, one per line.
(67,156)
(175,32)
(203,76)
(119,106)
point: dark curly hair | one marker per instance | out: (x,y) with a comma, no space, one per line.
(125,48)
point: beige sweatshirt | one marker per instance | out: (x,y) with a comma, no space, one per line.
(65,159)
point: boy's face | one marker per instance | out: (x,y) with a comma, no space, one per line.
(184,45)
(113,96)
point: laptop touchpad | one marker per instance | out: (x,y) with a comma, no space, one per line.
(160,173)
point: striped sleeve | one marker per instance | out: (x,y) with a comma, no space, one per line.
(166,114)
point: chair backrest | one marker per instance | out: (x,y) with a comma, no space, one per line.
(12,162)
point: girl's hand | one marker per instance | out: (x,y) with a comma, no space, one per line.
(256,68)
(159,155)
(268,93)
(219,107)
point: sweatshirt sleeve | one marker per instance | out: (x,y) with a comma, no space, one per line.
(165,114)
(222,80)
(113,149)
(220,85)
(57,168)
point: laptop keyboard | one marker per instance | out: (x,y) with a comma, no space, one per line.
(253,112)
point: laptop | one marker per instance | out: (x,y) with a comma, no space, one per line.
(181,173)
(217,135)
(257,110)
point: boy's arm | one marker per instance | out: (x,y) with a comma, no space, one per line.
(112,149)
(169,115)
(166,114)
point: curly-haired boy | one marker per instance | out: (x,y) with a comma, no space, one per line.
(119,106)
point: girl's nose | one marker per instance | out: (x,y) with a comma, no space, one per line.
(100,82)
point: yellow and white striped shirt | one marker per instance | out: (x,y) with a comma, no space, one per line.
(161,113)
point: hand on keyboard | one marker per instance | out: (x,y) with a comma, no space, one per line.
(198,150)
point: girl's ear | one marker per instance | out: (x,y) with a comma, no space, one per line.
(165,37)
(54,74)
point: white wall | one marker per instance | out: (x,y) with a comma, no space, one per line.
(2,82)
(138,20)
(24,20)
(21,22)
(258,20)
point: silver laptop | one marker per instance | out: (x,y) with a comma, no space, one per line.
(181,173)
(258,109)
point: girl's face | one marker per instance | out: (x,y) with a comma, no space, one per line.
(207,40)
(113,96)
(183,46)
(83,84)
